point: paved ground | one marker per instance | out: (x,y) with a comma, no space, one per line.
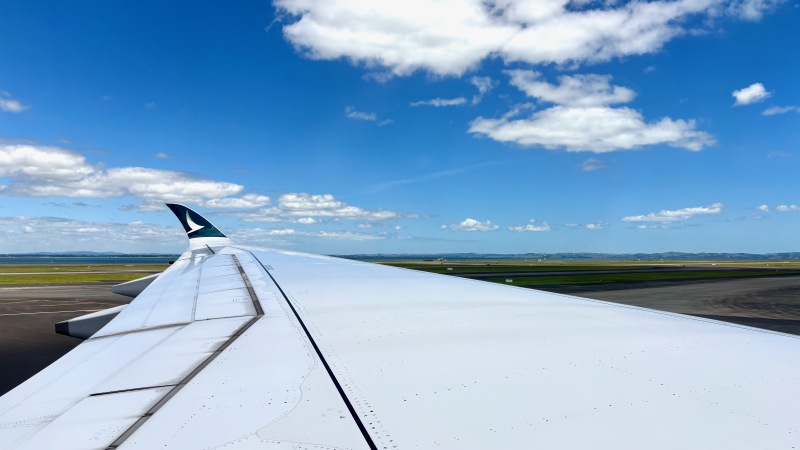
(28,342)
(771,302)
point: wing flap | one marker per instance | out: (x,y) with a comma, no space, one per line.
(95,422)
(172,359)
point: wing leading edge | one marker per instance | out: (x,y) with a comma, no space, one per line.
(241,347)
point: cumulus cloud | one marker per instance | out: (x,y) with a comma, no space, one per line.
(751,94)
(787,208)
(667,216)
(764,208)
(9,104)
(472,225)
(246,201)
(45,171)
(572,90)
(450,37)
(582,119)
(304,208)
(775,110)
(530,227)
(439,102)
(597,129)
(592,164)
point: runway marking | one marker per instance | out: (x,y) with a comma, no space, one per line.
(48,286)
(52,312)
(56,303)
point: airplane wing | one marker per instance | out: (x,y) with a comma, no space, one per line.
(236,347)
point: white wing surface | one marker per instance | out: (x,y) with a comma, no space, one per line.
(236,347)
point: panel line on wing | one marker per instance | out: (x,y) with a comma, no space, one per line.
(325,364)
(176,388)
(119,391)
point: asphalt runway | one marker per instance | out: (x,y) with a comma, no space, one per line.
(690,269)
(772,303)
(28,342)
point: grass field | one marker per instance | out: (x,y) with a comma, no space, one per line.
(546,280)
(44,274)
(552,272)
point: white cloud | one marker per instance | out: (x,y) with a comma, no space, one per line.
(472,225)
(596,226)
(23,233)
(303,208)
(450,37)
(439,102)
(787,208)
(302,204)
(582,119)
(346,235)
(666,215)
(774,110)
(592,164)
(247,201)
(9,104)
(751,9)
(530,227)
(484,85)
(598,129)
(162,155)
(588,226)
(572,90)
(289,235)
(358,115)
(45,171)
(351,113)
(751,94)
(764,208)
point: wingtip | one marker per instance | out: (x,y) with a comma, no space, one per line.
(195,225)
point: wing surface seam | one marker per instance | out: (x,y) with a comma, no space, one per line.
(338,386)
(176,388)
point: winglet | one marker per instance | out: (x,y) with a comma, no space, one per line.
(196,226)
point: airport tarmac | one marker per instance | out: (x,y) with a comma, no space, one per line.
(28,341)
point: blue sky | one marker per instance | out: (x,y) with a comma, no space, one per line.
(421,126)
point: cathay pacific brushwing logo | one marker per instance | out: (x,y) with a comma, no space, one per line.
(193,226)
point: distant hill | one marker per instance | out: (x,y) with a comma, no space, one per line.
(667,256)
